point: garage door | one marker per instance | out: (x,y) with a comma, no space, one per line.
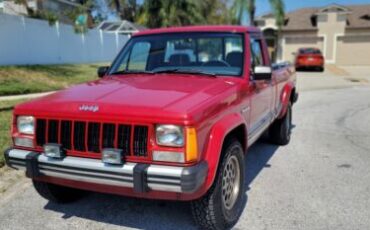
(292,44)
(353,50)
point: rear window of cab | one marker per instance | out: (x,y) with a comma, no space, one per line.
(309,51)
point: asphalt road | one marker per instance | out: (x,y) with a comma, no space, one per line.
(321,180)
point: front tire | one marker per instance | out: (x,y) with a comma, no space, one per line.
(56,193)
(280,130)
(221,207)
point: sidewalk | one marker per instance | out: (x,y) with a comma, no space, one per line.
(24,96)
(316,81)
(358,72)
(334,78)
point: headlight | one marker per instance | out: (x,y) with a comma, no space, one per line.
(26,124)
(170,135)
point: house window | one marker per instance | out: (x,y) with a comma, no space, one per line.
(307,41)
(366,17)
(341,18)
(260,23)
(322,18)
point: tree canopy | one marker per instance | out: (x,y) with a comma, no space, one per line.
(241,8)
(165,13)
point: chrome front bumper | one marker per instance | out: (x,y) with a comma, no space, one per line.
(140,177)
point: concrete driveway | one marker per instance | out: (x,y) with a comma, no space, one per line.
(334,77)
(321,180)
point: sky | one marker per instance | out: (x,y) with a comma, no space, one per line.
(263,6)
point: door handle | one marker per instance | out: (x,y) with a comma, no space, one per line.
(246,109)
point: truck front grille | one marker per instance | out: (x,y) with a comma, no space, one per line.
(92,137)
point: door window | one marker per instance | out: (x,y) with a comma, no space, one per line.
(256,53)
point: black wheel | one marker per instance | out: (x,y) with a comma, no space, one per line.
(321,69)
(280,130)
(221,207)
(56,193)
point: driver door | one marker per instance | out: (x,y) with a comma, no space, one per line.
(262,91)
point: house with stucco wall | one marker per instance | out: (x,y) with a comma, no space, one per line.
(342,33)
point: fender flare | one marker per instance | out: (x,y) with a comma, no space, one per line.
(215,143)
(285,98)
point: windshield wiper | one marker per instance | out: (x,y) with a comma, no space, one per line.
(132,72)
(182,71)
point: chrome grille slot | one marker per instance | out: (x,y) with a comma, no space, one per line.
(53,131)
(93,141)
(79,136)
(124,134)
(65,134)
(109,131)
(40,132)
(140,140)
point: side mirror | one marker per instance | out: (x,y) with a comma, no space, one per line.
(262,73)
(102,71)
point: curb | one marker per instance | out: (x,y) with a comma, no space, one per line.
(24,96)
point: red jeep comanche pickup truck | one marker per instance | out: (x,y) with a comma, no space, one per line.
(170,119)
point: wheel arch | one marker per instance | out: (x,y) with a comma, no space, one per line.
(239,133)
(287,96)
(231,126)
(292,95)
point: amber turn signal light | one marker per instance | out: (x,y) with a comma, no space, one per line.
(191,145)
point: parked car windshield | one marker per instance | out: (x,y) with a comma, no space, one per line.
(208,53)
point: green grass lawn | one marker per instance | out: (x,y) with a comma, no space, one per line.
(41,78)
(33,79)
(5,123)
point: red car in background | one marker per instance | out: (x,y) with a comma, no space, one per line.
(309,58)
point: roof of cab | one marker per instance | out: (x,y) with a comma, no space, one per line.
(187,29)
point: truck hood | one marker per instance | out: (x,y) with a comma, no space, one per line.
(161,95)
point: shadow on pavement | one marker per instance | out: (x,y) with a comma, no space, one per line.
(257,159)
(149,214)
(311,70)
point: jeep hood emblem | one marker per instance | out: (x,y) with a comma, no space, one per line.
(89,108)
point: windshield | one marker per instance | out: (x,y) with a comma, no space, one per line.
(212,53)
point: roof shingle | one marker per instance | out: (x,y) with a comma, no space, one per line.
(301,19)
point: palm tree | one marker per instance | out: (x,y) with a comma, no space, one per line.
(241,7)
(126,9)
(151,14)
(180,13)
(164,13)
(215,12)
(249,6)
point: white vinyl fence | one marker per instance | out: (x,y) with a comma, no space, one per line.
(25,41)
